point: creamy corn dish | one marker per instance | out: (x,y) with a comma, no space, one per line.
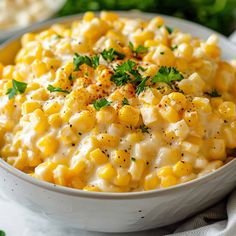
(114,104)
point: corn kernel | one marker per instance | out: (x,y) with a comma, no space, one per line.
(52,107)
(88,16)
(135,137)
(77,183)
(107,172)
(98,156)
(121,158)
(129,115)
(106,115)
(227,110)
(136,169)
(165,171)
(61,173)
(39,68)
(151,182)
(122,179)
(141,37)
(182,168)
(48,145)
(83,121)
(44,171)
(107,140)
(55,120)
(191,118)
(216,149)
(27,38)
(163,56)
(202,104)
(39,121)
(77,166)
(28,107)
(169,114)
(109,16)
(91,188)
(177,100)
(168,181)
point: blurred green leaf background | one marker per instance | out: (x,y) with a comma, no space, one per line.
(219,15)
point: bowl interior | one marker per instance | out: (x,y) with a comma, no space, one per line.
(9,49)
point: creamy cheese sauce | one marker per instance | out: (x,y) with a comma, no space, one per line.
(168,116)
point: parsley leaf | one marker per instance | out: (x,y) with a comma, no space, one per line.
(80,60)
(95,61)
(110,54)
(133,159)
(167,75)
(169,29)
(103,102)
(213,94)
(139,50)
(122,73)
(17,88)
(125,102)
(174,47)
(71,77)
(56,89)
(144,129)
(141,87)
(141,68)
(2,233)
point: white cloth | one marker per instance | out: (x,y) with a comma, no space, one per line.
(219,220)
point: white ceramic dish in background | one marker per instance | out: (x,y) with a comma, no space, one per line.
(54,7)
(117,212)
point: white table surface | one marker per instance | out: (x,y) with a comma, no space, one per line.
(15,221)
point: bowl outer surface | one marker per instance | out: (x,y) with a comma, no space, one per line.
(118,212)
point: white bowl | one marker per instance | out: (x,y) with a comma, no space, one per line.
(54,7)
(117,212)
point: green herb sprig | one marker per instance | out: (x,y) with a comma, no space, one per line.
(111,54)
(79,60)
(125,102)
(167,75)
(17,88)
(144,129)
(139,50)
(56,89)
(103,102)
(213,94)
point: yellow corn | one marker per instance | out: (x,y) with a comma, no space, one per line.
(98,156)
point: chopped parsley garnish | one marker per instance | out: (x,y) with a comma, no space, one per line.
(111,54)
(80,60)
(141,87)
(144,129)
(103,102)
(2,233)
(141,68)
(125,102)
(71,77)
(95,61)
(174,47)
(56,89)
(167,75)
(139,50)
(213,94)
(57,36)
(17,88)
(169,29)
(122,73)
(133,159)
